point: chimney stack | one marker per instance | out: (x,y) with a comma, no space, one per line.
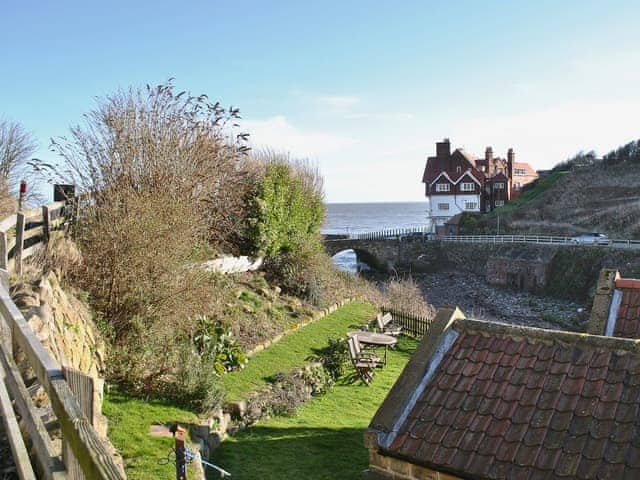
(488,156)
(443,148)
(511,161)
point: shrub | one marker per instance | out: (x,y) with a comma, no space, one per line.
(334,357)
(286,210)
(288,391)
(404,295)
(216,346)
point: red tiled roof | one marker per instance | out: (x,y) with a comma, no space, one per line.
(628,316)
(524,403)
(435,166)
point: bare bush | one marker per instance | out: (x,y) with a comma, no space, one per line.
(404,295)
(16,148)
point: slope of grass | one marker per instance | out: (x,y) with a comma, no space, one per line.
(129,422)
(539,189)
(323,441)
(294,349)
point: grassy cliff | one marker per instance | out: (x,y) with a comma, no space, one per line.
(592,198)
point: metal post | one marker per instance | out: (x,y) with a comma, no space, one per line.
(180,449)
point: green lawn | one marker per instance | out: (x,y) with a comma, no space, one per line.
(130,419)
(129,422)
(324,441)
(294,349)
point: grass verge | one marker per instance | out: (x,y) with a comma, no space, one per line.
(323,441)
(294,349)
(129,422)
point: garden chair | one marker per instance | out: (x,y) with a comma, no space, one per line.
(386,325)
(365,363)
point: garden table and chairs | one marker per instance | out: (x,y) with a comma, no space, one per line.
(374,339)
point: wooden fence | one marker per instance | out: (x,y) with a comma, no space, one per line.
(415,325)
(84,453)
(23,233)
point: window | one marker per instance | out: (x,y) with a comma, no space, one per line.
(517,187)
(499,203)
(458,169)
(443,187)
(520,171)
(498,186)
(470,205)
(443,206)
(467,187)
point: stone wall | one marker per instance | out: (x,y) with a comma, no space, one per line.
(64,326)
(382,467)
(572,272)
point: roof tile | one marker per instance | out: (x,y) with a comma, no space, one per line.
(503,407)
(587,469)
(567,464)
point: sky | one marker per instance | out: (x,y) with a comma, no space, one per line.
(362,89)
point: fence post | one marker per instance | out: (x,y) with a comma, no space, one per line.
(4,252)
(46,223)
(181,461)
(19,242)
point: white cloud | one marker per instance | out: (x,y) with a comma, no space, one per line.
(279,134)
(337,102)
(379,116)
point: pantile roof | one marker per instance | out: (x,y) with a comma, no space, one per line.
(492,401)
(628,315)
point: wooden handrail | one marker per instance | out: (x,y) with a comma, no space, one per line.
(89,450)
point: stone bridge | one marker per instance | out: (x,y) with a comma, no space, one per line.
(386,254)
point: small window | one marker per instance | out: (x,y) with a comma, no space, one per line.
(458,169)
(467,187)
(499,203)
(517,187)
(443,206)
(498,186)
(470,205)
(443,187)
(520,172)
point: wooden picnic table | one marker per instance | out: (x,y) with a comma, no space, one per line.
(376,339)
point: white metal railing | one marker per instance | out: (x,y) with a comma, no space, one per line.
(538,239)
(425,233)
(392,233)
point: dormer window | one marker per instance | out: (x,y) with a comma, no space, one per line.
(467,187)
(443,187)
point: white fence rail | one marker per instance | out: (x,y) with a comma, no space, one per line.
(425,235)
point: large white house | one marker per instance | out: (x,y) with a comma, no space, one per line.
(460,182)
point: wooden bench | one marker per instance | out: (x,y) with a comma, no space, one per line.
(385,325)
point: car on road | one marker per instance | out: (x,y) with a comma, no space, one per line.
(591,239)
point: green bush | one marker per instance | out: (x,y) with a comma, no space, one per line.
(216,346)
(286,210)
(334,357)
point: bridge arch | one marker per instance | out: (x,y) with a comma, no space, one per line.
(365,252)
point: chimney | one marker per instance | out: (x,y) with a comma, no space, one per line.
(488,156)
(443,149)
(511,161)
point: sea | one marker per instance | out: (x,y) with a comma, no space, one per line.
(350,218)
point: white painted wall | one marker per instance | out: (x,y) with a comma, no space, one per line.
(456,205)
